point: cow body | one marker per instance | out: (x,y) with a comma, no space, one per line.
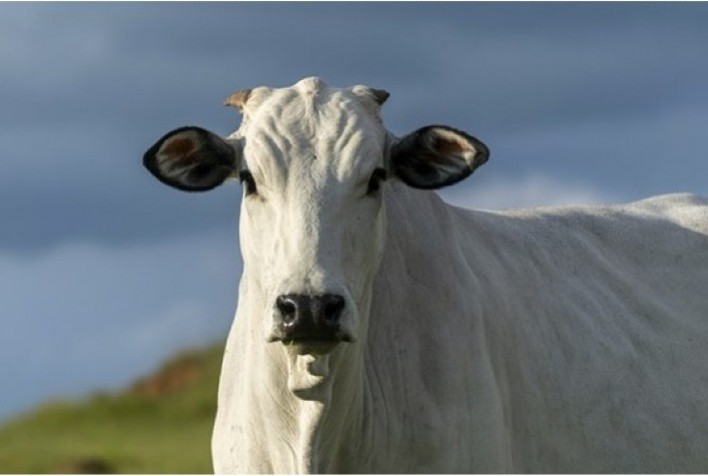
(557,340)
(382,330)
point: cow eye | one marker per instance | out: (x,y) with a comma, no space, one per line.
(377,177)
(248,182)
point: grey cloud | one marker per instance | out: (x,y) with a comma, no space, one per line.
(87,185)
(87,87)
(82,316)
(160,54)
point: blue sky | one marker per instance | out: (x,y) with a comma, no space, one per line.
(104,271)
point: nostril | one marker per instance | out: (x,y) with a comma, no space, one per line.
(332,306)
(287,308)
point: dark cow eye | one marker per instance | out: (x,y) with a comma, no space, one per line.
(377,177)
(248,183)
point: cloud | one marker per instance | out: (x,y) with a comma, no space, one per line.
(81,316)
(67,184)
(135,63)
(654,154)
(529,191)
(87,88)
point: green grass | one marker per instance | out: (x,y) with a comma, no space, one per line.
(134,431)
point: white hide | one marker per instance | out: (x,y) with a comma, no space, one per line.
(551,340)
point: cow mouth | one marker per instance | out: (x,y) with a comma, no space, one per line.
(316,345)
(328,338)
(310,340)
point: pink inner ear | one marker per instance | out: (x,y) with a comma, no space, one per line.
(447,147)
(177,147)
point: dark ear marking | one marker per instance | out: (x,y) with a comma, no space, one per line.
(437,156)
(191,159)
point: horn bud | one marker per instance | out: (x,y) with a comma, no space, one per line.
(379,95)
(238,99)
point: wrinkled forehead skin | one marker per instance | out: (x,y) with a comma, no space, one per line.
(311,128)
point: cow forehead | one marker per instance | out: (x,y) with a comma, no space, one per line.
(311,122)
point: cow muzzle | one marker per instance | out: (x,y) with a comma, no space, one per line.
(313,321)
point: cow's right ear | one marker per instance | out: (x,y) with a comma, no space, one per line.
(192,159)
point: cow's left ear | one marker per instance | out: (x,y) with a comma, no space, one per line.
(192,159)
(436,156)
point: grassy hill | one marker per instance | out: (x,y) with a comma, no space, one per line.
(162,424)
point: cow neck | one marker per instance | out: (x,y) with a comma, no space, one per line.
(319,398)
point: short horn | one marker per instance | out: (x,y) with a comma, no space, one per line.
(380,95)
(238,99)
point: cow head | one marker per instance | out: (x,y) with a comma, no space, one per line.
(313,161)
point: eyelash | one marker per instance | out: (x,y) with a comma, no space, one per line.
(249,184)
(378,176)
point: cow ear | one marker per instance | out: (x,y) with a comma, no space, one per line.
(192,159)
(436,156)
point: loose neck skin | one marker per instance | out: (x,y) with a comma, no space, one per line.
(326,394)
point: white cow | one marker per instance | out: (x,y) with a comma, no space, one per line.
(381,330)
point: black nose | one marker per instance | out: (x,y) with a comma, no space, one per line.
(309,317)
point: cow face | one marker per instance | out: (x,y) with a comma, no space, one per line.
(313,162)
